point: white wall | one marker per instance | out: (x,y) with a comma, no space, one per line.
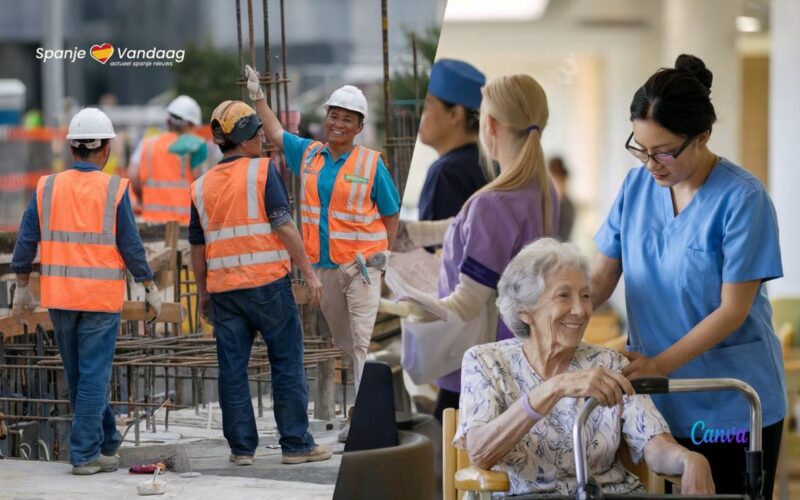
(784,134)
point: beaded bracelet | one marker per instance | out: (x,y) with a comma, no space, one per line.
(532,414)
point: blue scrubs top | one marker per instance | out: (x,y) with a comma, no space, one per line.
(384,193)
(674,268)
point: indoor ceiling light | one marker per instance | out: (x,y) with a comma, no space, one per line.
(748,24)
(495,10)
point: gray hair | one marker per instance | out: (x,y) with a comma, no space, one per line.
(522,282)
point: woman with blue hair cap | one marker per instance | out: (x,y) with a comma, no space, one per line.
(450,125)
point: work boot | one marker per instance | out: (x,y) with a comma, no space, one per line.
(108,463)
(103,463)
(318,454)
(342,436)
(242,459)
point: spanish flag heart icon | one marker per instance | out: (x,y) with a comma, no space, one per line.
(102,53)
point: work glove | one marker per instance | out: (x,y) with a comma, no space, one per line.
(379,260)
(153,299)
(23,300)
(253,83)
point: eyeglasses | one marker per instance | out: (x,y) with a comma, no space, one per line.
(661,158)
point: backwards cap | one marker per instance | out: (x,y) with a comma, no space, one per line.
(234,121)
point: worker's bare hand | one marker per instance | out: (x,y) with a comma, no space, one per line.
(606,386)
(206,309)
(253,83)
(314,289)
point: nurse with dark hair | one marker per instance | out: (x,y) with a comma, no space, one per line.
(449,124)
(696,238)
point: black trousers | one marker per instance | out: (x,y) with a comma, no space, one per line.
(445,399)
(728,460)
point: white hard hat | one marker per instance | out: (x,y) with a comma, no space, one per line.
(90,123)
(185,108)
(348,97)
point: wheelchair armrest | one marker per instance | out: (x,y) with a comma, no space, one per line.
(475,479)
(675,480)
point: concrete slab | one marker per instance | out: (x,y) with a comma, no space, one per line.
(27,480)
(193,443)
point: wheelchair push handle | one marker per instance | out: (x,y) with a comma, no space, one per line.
(664,385)
(651,385)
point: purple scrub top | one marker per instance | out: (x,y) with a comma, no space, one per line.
(496,227)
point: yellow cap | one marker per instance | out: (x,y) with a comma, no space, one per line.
(235,122)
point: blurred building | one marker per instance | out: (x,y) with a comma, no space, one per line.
(325,40)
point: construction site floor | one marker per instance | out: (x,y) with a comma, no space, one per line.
(198,444)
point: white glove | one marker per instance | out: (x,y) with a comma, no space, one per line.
(406,309)
(153,298)
(413,234)
(253,83)
(23,300)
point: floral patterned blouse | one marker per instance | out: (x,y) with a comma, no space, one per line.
(495,376)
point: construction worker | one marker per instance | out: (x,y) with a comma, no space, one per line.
(242,237)
(162,166)
(350,212)
(82,220)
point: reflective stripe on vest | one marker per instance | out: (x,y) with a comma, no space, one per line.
(247,259)
(198,202)
(95,273)
(354,217)
(352,236)
(167,208)
(228,266)
(238,231)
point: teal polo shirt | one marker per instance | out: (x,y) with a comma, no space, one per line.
(384,193)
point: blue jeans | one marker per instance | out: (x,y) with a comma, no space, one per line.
(270,309)
(86,342)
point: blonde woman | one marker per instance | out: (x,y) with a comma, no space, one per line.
(503,216)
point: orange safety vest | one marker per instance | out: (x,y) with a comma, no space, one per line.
(354,223)
(241,249)
(82,269)
(165,179)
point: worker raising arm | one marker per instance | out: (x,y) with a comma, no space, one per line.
(350,210)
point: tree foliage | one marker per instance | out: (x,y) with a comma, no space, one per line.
(402,86)
(208,75)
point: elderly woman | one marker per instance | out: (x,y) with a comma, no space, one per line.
(520,396)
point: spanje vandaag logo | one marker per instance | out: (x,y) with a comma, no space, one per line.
(102,53)
(107,53)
